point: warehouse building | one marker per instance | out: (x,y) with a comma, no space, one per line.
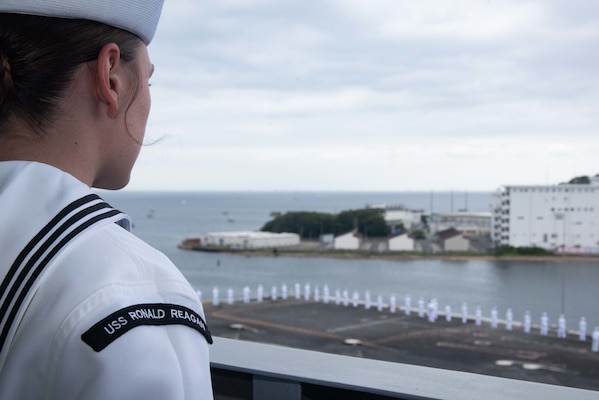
(250,239)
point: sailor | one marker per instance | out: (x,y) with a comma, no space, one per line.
(407,305)
(246,294)
(544,330)
(527,322)
(494,316)
(448,313)
(284,293)
(562,332)
(478,315)
(582,329)
(392,303)
(421,310)
(509,319)
(464,313)
(87,310)
(367,300)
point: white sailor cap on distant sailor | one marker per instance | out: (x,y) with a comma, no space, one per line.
(136,16)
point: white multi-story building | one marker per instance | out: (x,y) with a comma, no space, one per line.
(557,217)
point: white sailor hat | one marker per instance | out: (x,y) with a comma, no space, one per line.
(136,16)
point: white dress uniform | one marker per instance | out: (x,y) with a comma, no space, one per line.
(88,310)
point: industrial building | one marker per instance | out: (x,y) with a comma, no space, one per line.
(467,222)
(250,240)
(554,217)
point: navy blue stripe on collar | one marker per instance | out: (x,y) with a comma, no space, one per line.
(37,254)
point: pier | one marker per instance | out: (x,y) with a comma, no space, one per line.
(355,330)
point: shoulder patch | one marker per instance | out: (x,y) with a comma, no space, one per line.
(99,336)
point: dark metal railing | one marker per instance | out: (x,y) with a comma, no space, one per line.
(246,370)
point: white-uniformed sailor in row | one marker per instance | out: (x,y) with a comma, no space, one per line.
(87,310)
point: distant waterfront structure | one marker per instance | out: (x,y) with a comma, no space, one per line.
(453,240)
(348,241)
(397,215)
(242,240)
(468,222)
(400,241)
(563,218)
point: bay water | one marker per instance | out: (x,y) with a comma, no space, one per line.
(163,219)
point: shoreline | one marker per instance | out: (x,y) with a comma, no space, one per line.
(310,250)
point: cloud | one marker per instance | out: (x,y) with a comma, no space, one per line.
(306,95)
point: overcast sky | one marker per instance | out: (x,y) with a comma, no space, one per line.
(366,95)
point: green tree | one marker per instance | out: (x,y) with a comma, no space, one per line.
(580,180)
(419,234)
(369,222)
(309,225)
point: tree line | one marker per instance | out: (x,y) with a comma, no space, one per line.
(311,225)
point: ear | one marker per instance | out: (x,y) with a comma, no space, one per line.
(109,82)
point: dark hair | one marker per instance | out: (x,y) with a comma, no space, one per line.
(39,56)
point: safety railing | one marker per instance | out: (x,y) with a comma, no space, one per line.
(246,370)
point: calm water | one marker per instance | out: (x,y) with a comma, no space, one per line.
(164,219)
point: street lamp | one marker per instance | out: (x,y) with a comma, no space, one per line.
(562,217)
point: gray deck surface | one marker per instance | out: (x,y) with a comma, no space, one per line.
(410,339)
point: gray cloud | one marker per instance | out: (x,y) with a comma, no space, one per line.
(391,83)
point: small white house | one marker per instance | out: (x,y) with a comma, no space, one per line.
(453,240)
(400,242)
(348,241)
